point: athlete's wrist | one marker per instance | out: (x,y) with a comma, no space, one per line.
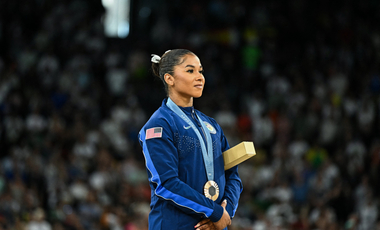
(217,213)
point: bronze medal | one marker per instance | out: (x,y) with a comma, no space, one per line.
(211,190)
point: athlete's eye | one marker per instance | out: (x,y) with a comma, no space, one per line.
(190,71)
(201,72)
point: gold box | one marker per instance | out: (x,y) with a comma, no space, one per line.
(237,154)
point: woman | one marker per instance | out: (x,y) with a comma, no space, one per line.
(183,153)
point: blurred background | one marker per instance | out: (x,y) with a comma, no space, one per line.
(298,78)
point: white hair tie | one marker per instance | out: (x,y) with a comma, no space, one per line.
(155,58)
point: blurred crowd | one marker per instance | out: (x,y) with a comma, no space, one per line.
(300,79)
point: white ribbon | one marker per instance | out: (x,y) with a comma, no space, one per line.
(155,58)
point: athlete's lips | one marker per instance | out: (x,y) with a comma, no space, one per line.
(199,86)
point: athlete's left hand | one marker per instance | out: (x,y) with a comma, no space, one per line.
(205,224)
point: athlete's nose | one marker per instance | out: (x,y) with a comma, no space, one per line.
(200,77)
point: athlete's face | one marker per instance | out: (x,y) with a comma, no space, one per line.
(188,80)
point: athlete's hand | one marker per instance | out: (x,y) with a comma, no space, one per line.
(205,224)
(225,220)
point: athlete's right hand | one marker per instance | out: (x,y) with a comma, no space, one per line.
(225,220)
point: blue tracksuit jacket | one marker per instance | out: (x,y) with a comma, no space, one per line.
(177,173)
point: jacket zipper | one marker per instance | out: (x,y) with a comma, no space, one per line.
(204,134)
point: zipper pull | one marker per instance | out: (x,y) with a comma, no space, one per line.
(194,115)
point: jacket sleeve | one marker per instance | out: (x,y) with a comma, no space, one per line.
(234,186)
(161,157)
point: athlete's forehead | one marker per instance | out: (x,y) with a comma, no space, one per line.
(190,60)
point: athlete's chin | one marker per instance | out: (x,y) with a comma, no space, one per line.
(198,95)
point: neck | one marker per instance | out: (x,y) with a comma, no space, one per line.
(182,101)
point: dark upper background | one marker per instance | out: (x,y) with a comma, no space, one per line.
(298,78)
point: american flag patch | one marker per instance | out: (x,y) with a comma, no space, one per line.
(153,133)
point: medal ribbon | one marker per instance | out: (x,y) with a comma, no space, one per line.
(207,153)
